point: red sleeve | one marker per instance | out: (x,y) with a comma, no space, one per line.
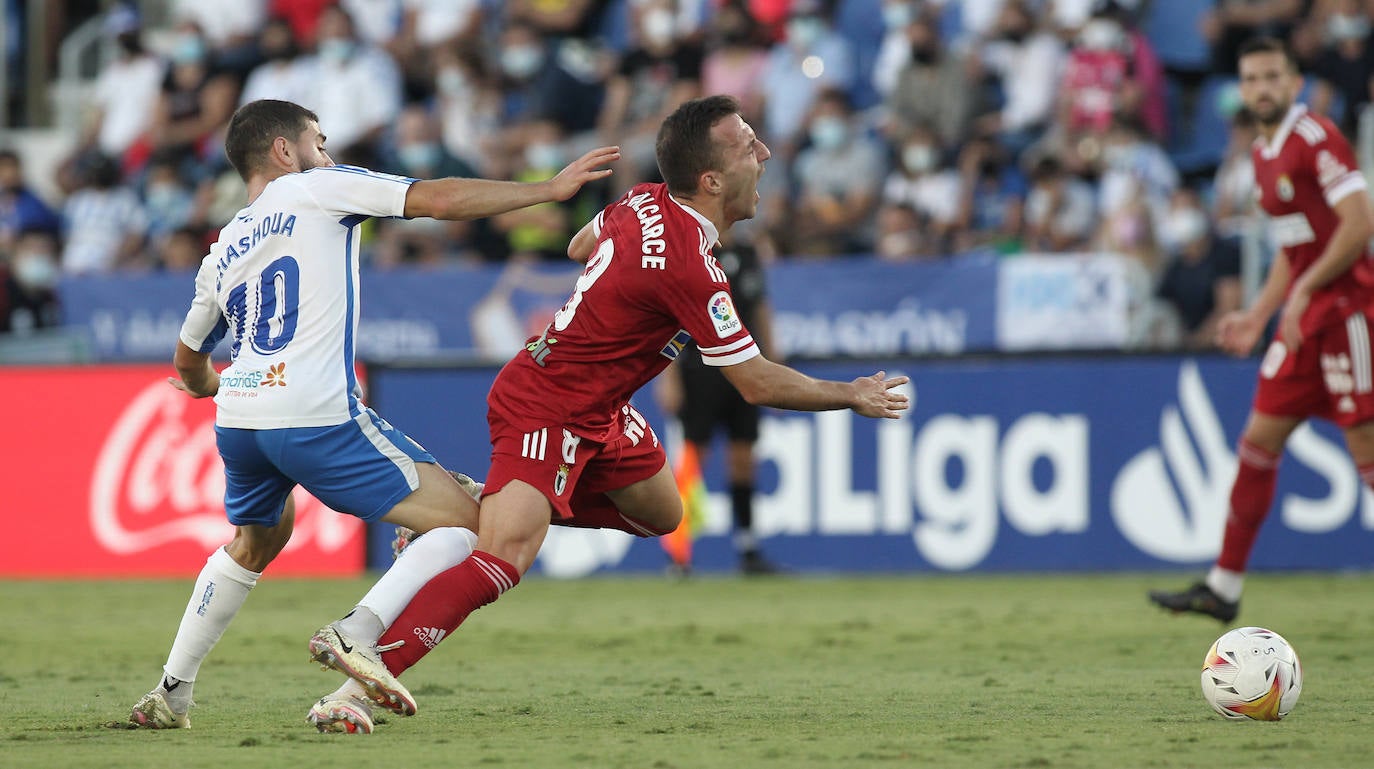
(699,298)
(1333,165)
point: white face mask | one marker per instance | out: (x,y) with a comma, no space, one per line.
(1343,27)
(1101,35)
(543,156)
(522,61)
(336,50)
(659,26)
(897,15)
(452,83)
(1182,227)
(828,132)
(805,31)
(35,270)
(918,158)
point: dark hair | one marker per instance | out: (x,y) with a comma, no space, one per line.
(256,125)
(684,147)
(1268,45)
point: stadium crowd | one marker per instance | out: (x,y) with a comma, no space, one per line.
(909,129)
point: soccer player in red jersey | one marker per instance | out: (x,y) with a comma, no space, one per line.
(1319,366)
(567,446)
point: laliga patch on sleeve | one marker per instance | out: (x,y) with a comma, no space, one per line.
(723,314)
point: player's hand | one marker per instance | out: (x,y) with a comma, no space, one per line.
(587,168)
(876,398)
(182,386)
(1290,321)
(1238,332)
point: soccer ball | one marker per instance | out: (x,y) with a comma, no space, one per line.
(1251,673)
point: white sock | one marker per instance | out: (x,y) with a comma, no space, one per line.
(220,590)
(1226,583)
(424,559)
(350,688)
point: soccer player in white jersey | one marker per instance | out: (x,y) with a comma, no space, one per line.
(282,284)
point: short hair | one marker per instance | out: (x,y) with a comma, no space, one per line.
(684,148)
(1268,45)
(256,125)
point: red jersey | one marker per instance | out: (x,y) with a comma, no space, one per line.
(651,286)
(1302,174)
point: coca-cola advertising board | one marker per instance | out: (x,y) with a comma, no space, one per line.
(109,471)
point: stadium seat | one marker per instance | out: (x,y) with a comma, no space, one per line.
(861,23)
(1200,137)
(1172,28)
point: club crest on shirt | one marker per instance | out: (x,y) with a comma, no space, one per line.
(560,481)
(723,314)
(1284,187)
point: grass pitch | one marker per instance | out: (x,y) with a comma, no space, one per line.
(1017,671)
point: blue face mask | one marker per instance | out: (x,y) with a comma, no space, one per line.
(188,49)
(543,157)
(828,132)
(336,50)
(805,31)
(897,15)
(423,155)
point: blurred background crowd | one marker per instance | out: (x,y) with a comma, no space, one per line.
(905,129)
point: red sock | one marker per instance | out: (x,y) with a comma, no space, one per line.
(442,605)
(1251,497)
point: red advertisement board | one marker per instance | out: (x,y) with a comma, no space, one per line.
(109,471)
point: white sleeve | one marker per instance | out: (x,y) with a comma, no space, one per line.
(205,325)
(351,191)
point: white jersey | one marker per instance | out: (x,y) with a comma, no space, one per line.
(282,284)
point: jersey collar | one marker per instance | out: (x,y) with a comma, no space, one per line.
(712,234)
(1275,145)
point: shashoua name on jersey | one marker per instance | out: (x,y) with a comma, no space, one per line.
(1302,173)
(651,286)
(282,284)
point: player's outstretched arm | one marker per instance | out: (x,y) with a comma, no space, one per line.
(456,198)
(765,383)
(197,375)
(582,245)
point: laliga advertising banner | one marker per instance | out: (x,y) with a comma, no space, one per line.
(111,472)
(1068,464)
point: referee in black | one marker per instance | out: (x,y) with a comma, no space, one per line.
(704,401)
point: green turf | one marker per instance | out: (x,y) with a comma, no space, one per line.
(1022,671)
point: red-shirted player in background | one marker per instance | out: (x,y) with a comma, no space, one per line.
(567,446)
(1319,366)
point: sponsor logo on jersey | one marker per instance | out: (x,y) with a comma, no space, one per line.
(1284,187)
(276,376)
(723,314)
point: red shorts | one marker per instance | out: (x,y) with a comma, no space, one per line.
(557,462)
(1330,376)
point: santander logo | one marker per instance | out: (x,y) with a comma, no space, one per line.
(158,479)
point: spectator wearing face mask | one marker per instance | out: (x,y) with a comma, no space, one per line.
(28,285)
(355,89)
(1025,60)
(558,81)
(280,75)
(468,107)
(812,59)
(1345,68)
(838,177)
(735,59)
(1202,278)
(196,101)
(661,70)
(105,223)
(126,92)
(922,183)
(931,85)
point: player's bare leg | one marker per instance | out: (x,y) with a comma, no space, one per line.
(1252,495)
